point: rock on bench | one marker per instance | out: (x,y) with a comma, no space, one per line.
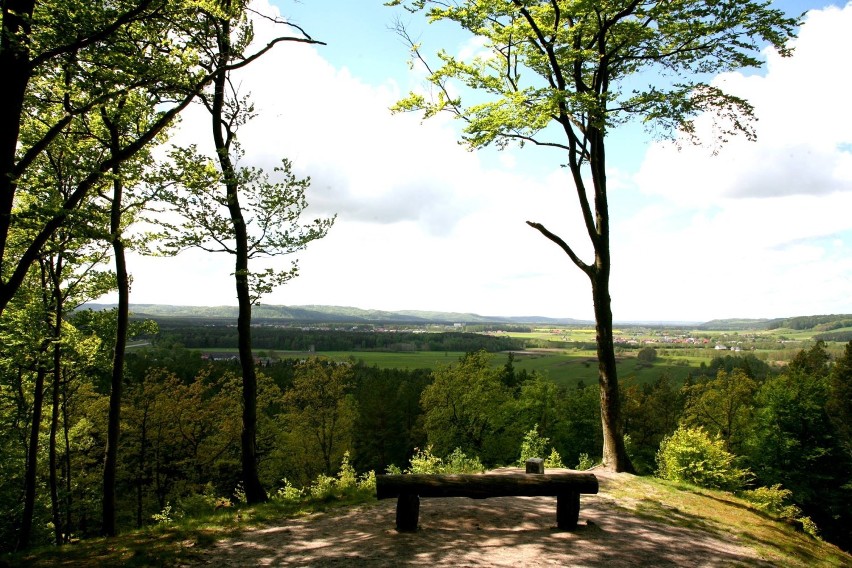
(409,488)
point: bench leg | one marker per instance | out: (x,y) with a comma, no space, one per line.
(567,510)
(407,512)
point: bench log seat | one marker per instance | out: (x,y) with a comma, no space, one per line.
(408,488)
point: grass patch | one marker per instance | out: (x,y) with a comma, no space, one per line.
(724,515)
(175,543)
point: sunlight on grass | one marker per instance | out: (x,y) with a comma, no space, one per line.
(174,543)
(724,515)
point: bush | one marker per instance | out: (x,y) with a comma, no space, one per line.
(533,445)
(166,516)
(323,487)
(347,479)
(424,461)
(346,484)
(288,493)
(774,501)
(647,355)
(585,462)
(458,462)
(553,460)
(199,504)
(690,455)
(367,483)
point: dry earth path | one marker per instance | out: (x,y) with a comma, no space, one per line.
(504,531)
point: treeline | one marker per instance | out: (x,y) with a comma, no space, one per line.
(817,323)
(841,336)
(181,427)
(295,339)
(790,430)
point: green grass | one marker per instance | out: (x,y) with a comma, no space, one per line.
(726,516)
(178,542)
(396,359)
(715,513)
(567,366)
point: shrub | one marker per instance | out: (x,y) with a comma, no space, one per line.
(200,503)
(288,493)
(554,460)
(240,493)
(690,455)
(774,501)
(347,479)
(323,487)
(647,355)
(585,462)
(533,445)
(367,483)
(458,462)
(424,461)
(166,516)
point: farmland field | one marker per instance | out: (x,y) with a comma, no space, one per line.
(567,356)
(565,367)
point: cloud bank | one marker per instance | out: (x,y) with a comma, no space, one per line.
(760,230)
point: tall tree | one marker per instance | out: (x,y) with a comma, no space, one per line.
(67,260)
(62,60)
(321,413)
(117,124)
(250,217)
(564,73)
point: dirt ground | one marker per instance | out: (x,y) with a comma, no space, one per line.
(505,531)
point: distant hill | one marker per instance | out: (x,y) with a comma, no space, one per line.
(816,323)
(734,324)
(345,314)
(332,314)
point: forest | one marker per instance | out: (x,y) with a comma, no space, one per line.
(751,424)
(306,339)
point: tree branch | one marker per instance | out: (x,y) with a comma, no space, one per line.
(589,270)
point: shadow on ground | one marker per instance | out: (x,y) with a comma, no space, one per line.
(506,531)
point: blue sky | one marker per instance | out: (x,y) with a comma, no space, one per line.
(759,230)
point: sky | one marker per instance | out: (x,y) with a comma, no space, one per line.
(752,230)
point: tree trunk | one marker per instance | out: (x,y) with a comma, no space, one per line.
(69,498)
(108,527)
(614,453)
(54,415)
(140,473)
(32,463)
(253,488)
(251,481)
(15,70)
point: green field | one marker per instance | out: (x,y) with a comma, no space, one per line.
(566,355)
(565,367)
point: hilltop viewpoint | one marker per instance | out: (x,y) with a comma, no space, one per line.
(632,521)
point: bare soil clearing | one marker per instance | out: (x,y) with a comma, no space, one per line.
(504,531)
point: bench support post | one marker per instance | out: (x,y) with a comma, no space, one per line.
(407,512)
(567,510)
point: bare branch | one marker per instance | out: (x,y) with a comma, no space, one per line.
(589,270)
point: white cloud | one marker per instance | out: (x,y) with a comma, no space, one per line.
(804,128)
(761,230)
(422,223)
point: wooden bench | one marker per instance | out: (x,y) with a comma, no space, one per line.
(408,488)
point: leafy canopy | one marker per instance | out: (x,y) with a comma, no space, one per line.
(581,64)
